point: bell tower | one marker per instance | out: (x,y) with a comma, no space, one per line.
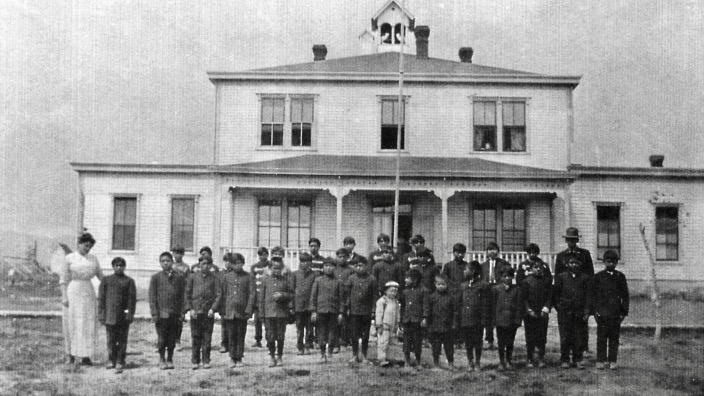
(388,25)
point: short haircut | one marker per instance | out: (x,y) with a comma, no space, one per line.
(119,260)
(178,249)
(231,257)
(349,240)
(532,248)
(341,251)
(305,257)
(328,261)
(424,252)
(86,237)
(383,237)
(276,259)
(278,250)
(474,264)
(459,247)
(417,238)
(314,240)
(415,275)
(206,249)
(167,254)
(509,271)
(493,245)
(262,250)
(441,277)
(238,257)
(611,255)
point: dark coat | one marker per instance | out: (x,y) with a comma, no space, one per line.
(414,304)
(570,293)
(271,306)
(537,293)
(302,284)
(116,295)
(363,295)
(475,304)
(442,311)
(410,260)
(610,296)
(384,272)
(203,292)
(524,269)
(508,305)
(584,257)
(166,291)
(317,264)
(499,266)
(454,271)
(238,295)
(327,295)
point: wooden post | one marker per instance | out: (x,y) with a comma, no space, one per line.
(656,290)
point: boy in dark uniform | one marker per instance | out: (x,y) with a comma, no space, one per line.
(238,296)
(526,267)
(349,245)
(442,322)
(316,259)
(178,251)
(360,309)
(385,270)
(427,268)
(492,269)
(166,291)
(507,315)
(275,306)
(414,310)
(327,303)
(454,270)
(343,270)
(202,300)
(570,298)
(537,294)
(473,313)
(258,270)
(117,300)
(376,255)
(302,284)
(410,260)
(609,302)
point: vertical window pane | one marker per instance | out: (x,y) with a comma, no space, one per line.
(296,110)
(124,223)
(484,126)
(269,227)
(513,229)
(667,233)
(307,111)
(272,115)
(298,223)
(483,227)
(608,219)
(182,222)
(389,125)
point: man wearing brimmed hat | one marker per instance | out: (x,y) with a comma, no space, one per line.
(572,238)
(586,267)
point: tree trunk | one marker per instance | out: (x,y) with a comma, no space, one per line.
(655,297)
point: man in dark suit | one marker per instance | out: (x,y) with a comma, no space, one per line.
(492,269)
(587,268)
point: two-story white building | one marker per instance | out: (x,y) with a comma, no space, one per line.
(310,150)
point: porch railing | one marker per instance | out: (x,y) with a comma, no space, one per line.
(291,256)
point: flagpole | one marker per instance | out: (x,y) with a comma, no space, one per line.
(401,124)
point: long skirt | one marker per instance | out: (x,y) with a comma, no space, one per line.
(81,319)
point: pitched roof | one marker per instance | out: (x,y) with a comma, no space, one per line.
(387,62)
(385,166)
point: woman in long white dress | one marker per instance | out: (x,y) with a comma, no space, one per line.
(79,299)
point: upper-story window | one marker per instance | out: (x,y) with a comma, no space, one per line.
(287,121)
(493,115)
(391,116)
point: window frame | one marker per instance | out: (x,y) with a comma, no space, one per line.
(498,208)
(195,199)
(405,132)
(499,120)
(287,136)
(113,198)
(678,233)
(284,220)
(597,246)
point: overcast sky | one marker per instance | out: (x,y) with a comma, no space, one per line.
(125,81)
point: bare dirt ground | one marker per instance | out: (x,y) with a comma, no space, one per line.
(31,363)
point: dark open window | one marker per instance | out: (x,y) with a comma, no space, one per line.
(484,126)
(301,121)
(514,126)
(391,116)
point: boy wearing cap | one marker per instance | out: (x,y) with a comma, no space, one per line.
(302,284)
(610,303)
(238,296)
(327,302)
(360,308)
(387,316)
(492,269)
(570,299)
(117,300)
(275,306)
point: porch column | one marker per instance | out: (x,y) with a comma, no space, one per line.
(444,194)
(217,216)
(339,193)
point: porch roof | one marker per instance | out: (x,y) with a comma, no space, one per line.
(385,166)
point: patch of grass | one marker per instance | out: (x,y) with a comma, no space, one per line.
(691,384)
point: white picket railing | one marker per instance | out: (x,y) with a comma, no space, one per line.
(291,256)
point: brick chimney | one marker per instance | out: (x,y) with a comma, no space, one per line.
(319,52)
(656,161)
(466,54)
(422,34)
